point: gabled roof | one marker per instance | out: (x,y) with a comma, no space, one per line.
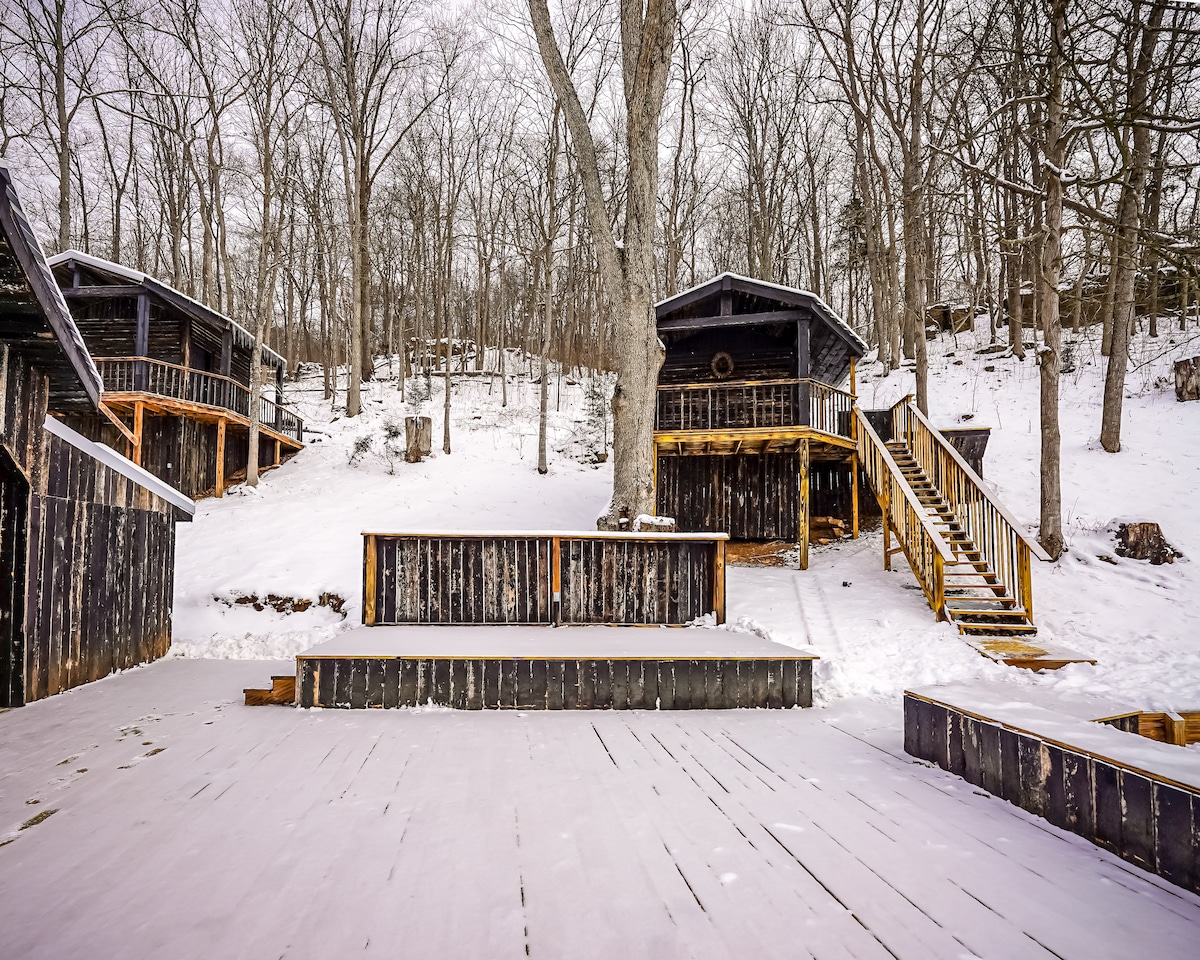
(194,308)
(33,314)
(777,293)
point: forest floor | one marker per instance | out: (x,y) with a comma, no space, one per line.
(153,814)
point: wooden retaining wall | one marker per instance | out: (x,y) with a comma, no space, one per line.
(664,579)
(1146,819)
(553,684)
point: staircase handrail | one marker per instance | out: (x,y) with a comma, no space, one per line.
(1017,526)
(931,575)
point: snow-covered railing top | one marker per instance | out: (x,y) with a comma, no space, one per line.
(560,534)
(127,468)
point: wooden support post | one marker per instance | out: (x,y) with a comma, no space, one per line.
(887,533)
(555,580)
(278,453)
(853,379)
(138,414)
(220,458)
(1175,727)
(854,495)
(802,510)
(370,568)
(719,583)
(1025,578)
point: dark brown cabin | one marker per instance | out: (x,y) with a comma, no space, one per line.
(754,428)
(179,374)
(87,539)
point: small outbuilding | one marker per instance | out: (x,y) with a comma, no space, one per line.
(755,430)
(87,538)
(178,375)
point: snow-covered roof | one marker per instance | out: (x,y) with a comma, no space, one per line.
(242,337)
(123,466)
(766,288)
(73,376)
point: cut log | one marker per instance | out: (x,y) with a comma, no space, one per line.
(418,438)
(1187,379)
(1145,541)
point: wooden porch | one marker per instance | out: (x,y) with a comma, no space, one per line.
(136,386)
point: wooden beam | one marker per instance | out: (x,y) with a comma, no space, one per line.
(733,320)
(137,434)
(803,504)
(854,495)
(370,562)
(103,292)
(277,456)
(719,582)
(220,458)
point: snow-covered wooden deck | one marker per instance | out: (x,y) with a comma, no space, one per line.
(188,825)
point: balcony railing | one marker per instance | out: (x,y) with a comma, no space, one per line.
(748,405)
(143,375)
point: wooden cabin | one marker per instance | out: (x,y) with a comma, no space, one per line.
(87,538)
(178,375)
(754,428)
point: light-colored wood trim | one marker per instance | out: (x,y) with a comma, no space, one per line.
(854,495)
(752,434)
(370,568)
(802,507)
(278,458)
(555,579)
(220,458)
(156,403)
(719,582)
(116,422)
(138,414)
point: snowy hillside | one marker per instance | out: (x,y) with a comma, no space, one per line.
(297,535)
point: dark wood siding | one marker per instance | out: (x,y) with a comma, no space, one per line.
(553,684)
(101,560)
(758,353)
(748,496)
(490,579)
(14,503)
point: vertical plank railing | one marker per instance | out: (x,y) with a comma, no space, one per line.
(142,375)
(755,405)
(926,549)
(543,578)
(997,534)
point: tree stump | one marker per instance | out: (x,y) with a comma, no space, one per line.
(1187,379)
(418,438)
(1145,541)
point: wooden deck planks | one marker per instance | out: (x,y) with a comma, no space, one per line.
(708,834)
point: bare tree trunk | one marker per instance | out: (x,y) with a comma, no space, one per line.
(1050,356)
(1128,226)
(647,43)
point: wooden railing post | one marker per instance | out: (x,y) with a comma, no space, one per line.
(370,568)
(719,582)
(939,586)
(556,580)
(1025,578)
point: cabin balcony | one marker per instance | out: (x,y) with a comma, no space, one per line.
(133,384)
(754,416)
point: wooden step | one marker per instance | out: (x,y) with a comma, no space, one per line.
(283,691)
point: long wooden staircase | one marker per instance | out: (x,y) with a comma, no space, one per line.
(970,555)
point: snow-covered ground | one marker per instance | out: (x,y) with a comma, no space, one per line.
(297,535)
(152,814)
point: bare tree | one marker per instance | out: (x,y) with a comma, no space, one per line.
(627,271)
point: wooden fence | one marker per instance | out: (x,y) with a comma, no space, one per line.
(543,578)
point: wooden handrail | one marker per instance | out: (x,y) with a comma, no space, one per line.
(871,436)
(1018,528)
(173,366)
(726,383)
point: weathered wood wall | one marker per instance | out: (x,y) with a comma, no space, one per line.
(749,496)
(758,353)
(541,579)
(100,562)
(553,684)
(14,508)
(1146,820)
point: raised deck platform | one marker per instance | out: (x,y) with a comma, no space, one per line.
(553,668)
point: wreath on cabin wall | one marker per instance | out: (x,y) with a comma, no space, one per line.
(722,365)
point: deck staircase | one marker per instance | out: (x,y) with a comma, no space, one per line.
(970,555)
